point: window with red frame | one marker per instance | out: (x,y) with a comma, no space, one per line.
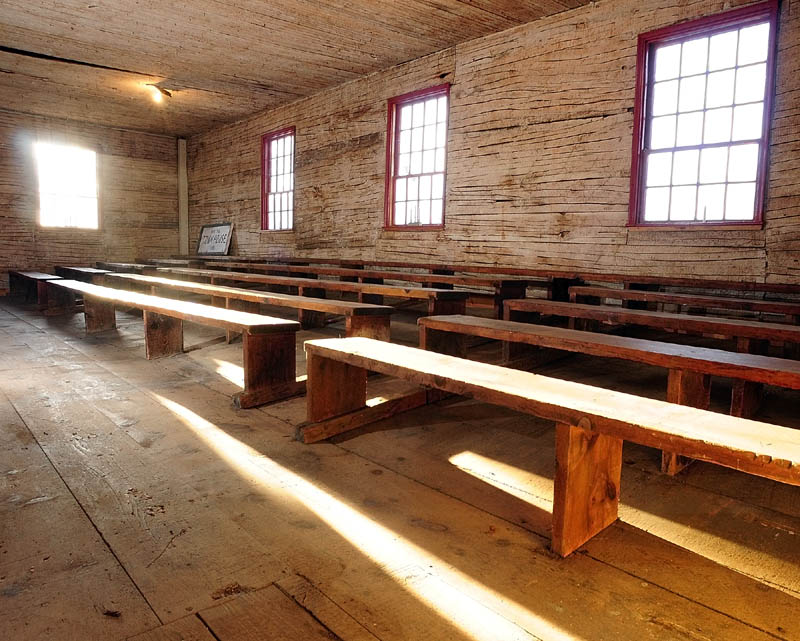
(416,158)
(277,180)
(702,120)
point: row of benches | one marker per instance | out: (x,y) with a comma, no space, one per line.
(591,423)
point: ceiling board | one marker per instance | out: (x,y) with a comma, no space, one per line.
(225,58)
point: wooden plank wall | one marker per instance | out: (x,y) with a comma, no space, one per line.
(539,157)
(137,175)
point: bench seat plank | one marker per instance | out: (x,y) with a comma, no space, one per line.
(691,300)
(31,285)
(184,310)
(758,448)
(752,367)
(662,320)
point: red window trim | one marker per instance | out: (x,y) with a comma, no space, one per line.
(764,11)
(265,161)
(392,138)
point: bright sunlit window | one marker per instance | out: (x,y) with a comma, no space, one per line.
(277,180)
(703,114)
(67,186)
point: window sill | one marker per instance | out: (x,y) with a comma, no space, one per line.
(413,227)
(698,226)
(276,231)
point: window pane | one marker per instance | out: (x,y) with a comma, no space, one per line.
(747,121)
(710,202)
(412,213)
(667,62)
(67,185)
(442,109)
(430,111)
(692,93)
(416,139)
(437,188)
(273,148)
(416,163)
(429,137)
(684,201)
(659,169)
(428,161)
(743,163)
(399,213)
(720,88)
(405,142)
(403,163)
(753,44)
(425,187)
(740,203)
(690,129)
(713,165)
(662,132)
(722,51)
(400,189)
(665,98)
(441,134)
(425,212)
(405,117)
(418,118)
(412,190)
(694,57)
(750,83)
(684,167)
(656,204)
(718,125)
(439,159)
(436,212)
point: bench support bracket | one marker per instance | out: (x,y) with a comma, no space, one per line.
(163,335)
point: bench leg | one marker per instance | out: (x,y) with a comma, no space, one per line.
(693,389)
(17,288)
(41,294)
(163,335)
(504,292)
(269,362)
(372,299)
(60,300)
(376,327)
(333,388)
(438,307)
(435,340)
(308,318)
(586,496)
(100,315)
(746,396)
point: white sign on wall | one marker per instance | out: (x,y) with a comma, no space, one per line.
(215,240)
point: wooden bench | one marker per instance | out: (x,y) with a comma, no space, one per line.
(30,286)
(125,268)
(268,343)
(595,295)
(440,301)
(504,288)
(85,274)
(751,336)
(591,423)
(361,319)
(690,368)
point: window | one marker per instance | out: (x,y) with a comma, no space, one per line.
(702,120)
(67,185)
(277,180)
(416,158)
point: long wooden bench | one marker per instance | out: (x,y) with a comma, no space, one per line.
(85,274)
(268,343)
(504,288)
(125,268)
(30,286)
(752,336)
(591,423)
(440,301)
(690,368)
(361,319)
(593,295)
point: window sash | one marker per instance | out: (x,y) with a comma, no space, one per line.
(278,150)
(68,187)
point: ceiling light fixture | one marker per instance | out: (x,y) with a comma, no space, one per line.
(158,93)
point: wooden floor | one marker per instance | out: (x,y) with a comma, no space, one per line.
(137,503)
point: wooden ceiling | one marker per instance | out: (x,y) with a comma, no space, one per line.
(91,60)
